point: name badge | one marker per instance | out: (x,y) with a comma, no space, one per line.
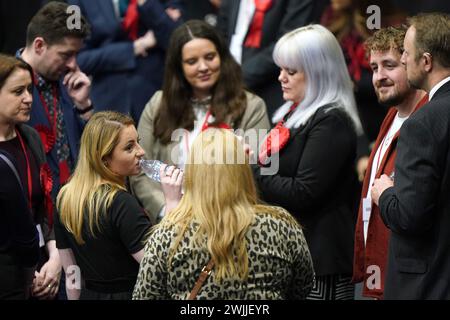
(366,208)
(41,236)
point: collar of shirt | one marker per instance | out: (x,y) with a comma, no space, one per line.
(437,87)
(42,84)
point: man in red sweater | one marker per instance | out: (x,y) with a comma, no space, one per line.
(391,86)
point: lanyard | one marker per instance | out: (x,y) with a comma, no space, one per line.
(378,163)
(293,107)
(206,126)
(29,178)
(206,123)
(380,151)
(287,115)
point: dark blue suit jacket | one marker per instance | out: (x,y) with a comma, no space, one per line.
(121,81)
(74,128)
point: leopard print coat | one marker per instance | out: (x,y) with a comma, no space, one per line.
(280,265)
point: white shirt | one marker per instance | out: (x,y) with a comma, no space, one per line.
(244,19)
(378,159)
(189,136)
(116,8)
(437,87)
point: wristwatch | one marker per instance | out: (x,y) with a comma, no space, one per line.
(85,110)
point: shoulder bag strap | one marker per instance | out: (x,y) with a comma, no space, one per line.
(13,168)
(206,271)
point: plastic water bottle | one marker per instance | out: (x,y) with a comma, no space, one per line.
(151,168)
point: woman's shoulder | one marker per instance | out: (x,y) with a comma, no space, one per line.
(163,234)
(275,214)
(273,221)
(255,112)
(269,209)
(28,131)
(34,141)
(153,104)
(123,196)
(253,99)
(335,114)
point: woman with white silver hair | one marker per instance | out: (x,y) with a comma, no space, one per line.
(314,142)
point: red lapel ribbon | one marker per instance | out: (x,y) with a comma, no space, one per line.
(254,35)
(276,140)
(130,22)
(47,186)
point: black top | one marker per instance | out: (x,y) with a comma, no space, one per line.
(18,235)
(316,182)
(105,259)
(14,148)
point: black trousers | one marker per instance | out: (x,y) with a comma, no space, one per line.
(13,284)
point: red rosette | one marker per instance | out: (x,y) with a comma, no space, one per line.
(275,141)
(353,47)
(46,178)
(47,137)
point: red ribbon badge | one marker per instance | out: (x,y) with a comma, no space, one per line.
(276,140)
(354,49)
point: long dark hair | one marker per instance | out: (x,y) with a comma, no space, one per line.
(228,95)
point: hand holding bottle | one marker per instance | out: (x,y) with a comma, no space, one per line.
(151,168)
(171,183)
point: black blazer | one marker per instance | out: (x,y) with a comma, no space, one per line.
(317,183)
(259,71)
(417,208)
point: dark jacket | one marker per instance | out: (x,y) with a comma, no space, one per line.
(417,208)
(19,239)
(18,234)
(317,183)
(120,80)
(32,139)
